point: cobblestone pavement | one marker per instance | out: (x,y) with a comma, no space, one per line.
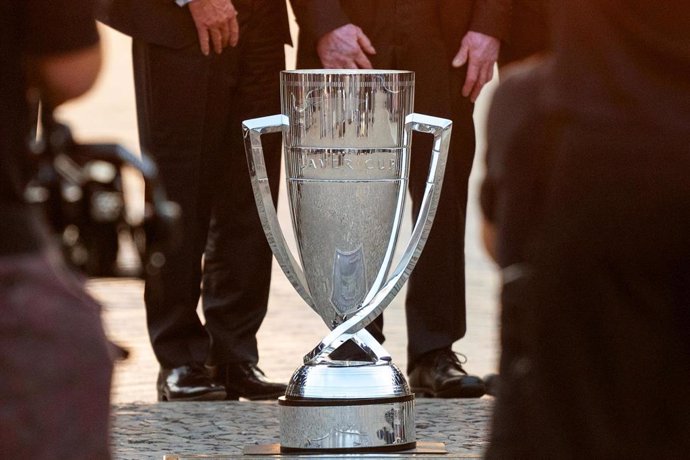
(143,428)
(224,430)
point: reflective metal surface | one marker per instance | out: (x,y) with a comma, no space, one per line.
(388,424)
(356,381)
(346,178)
(347,137)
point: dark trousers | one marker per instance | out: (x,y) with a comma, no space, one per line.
(190,109)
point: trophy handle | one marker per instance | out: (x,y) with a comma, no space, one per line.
(376,302)
(252,130)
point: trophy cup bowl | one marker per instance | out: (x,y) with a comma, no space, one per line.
(347,136)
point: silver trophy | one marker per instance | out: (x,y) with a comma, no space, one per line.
(347,140)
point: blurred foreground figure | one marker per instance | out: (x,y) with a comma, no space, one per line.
(587,201)
(55,366)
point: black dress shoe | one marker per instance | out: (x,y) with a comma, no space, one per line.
(188,383)
(246,380)
(439,374)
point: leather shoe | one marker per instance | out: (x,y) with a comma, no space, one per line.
(439,374)
(246,380)
(188,383)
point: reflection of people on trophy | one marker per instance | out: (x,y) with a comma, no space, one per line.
(346,213)
(452,47)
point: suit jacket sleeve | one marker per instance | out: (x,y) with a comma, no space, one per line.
(318,17)
(491,17)
(161,22)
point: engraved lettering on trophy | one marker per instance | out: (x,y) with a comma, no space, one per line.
(382,164)
(386,87)
(349,436)
(349,281)
(327,161)
(338,160)
(332,109)
(310,102)
(316,98)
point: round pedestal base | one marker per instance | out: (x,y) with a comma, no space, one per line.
(347,425)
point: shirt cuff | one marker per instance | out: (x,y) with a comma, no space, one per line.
(182,2)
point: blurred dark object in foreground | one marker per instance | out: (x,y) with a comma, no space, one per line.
(83,189)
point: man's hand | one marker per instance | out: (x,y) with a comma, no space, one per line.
(345,48)
(480,52)
(216,23)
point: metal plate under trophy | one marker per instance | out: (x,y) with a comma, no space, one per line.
(347,137)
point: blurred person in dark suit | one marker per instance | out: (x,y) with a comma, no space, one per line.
(588,214)
(528,31)
(528,38)
(55,361)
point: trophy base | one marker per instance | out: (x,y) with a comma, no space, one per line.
(347,425)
